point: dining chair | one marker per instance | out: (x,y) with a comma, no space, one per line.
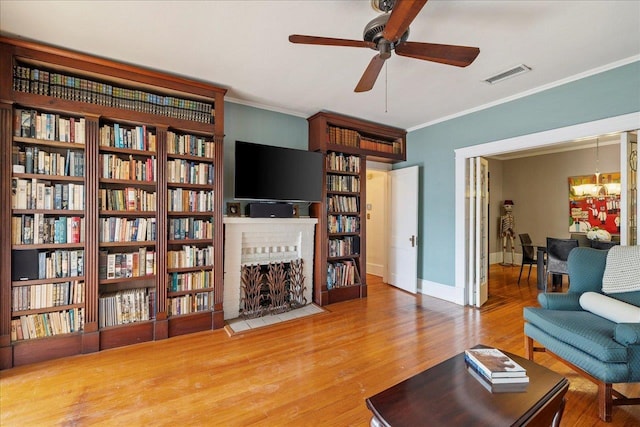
(603,245)
(557,254)
(528,255)
(582,239)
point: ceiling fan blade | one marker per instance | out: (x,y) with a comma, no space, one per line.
(328,41)
(402,15)
(370,75)
(460,56)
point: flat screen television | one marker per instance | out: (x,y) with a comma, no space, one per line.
(270,173)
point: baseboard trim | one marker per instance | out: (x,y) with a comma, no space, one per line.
(375,269)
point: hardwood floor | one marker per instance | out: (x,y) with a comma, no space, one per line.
(311,371)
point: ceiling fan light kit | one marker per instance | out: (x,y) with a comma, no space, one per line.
(389,32)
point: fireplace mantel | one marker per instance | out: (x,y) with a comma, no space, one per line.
(251,241)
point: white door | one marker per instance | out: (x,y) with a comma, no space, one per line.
(403,239)
(478,187)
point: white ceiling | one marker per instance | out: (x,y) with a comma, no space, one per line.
(242,45)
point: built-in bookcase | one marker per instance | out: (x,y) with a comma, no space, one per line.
(347,143)
(127,224)
(47,225)
(190,258)
(344,201)
(111,187)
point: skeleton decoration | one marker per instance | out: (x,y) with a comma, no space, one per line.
(507,230)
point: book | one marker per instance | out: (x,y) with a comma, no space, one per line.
(499,380)
(494,364)
(510,387)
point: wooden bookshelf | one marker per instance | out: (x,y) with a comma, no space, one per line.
(98,131)
(127,232)
(191,163)
(340,267)
(349,135)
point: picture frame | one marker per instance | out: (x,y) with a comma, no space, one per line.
(233,209)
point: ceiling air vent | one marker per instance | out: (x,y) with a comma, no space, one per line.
(511,72)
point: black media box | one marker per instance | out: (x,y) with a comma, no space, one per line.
(270,210)
(24,265)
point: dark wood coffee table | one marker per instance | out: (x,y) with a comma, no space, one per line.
(447,394)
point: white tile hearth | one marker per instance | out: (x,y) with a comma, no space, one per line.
(239,324)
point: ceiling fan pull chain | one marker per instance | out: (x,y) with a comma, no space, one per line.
(386,96)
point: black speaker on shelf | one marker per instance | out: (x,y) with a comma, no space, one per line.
(269,210)
(24,265)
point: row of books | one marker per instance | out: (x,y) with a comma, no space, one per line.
(190,281)
(128,199)
(59,85)
(113,166)
(348,137)
(182,200)
(120,265)
(342,204)
(495,368)
(47,295)
(190,144)
(344,246)
(113,229)
(190,228)
(47,324)
(39,194)
(128,306)
(190,256)
(134,138)
(343,163)
(188,172)
(60,263)
(186,304)
(47,126)
(343,224)
(352,138)
(342,274)
(37,229)
(36,160)
(343,183)
(381,146)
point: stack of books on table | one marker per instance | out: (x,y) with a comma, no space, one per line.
(496,371)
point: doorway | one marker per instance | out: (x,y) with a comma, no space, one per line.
(376,217)
(537,140)
(391,214)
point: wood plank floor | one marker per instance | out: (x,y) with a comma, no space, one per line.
(307,372)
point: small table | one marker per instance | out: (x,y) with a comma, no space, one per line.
(447,394)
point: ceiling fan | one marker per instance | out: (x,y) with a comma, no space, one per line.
(390,31)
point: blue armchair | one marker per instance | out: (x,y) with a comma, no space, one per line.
(602,350)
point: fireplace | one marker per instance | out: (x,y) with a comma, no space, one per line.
(265,242)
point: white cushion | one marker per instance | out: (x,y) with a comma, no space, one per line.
(622,271)
(609,308)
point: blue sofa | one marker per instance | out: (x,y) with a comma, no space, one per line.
(602,350)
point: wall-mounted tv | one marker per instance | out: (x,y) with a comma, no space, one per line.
(270,173)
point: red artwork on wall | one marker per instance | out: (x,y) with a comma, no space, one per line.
(594,203)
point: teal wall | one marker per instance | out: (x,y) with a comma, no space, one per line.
(252,124)
(607,94)
(604,95)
